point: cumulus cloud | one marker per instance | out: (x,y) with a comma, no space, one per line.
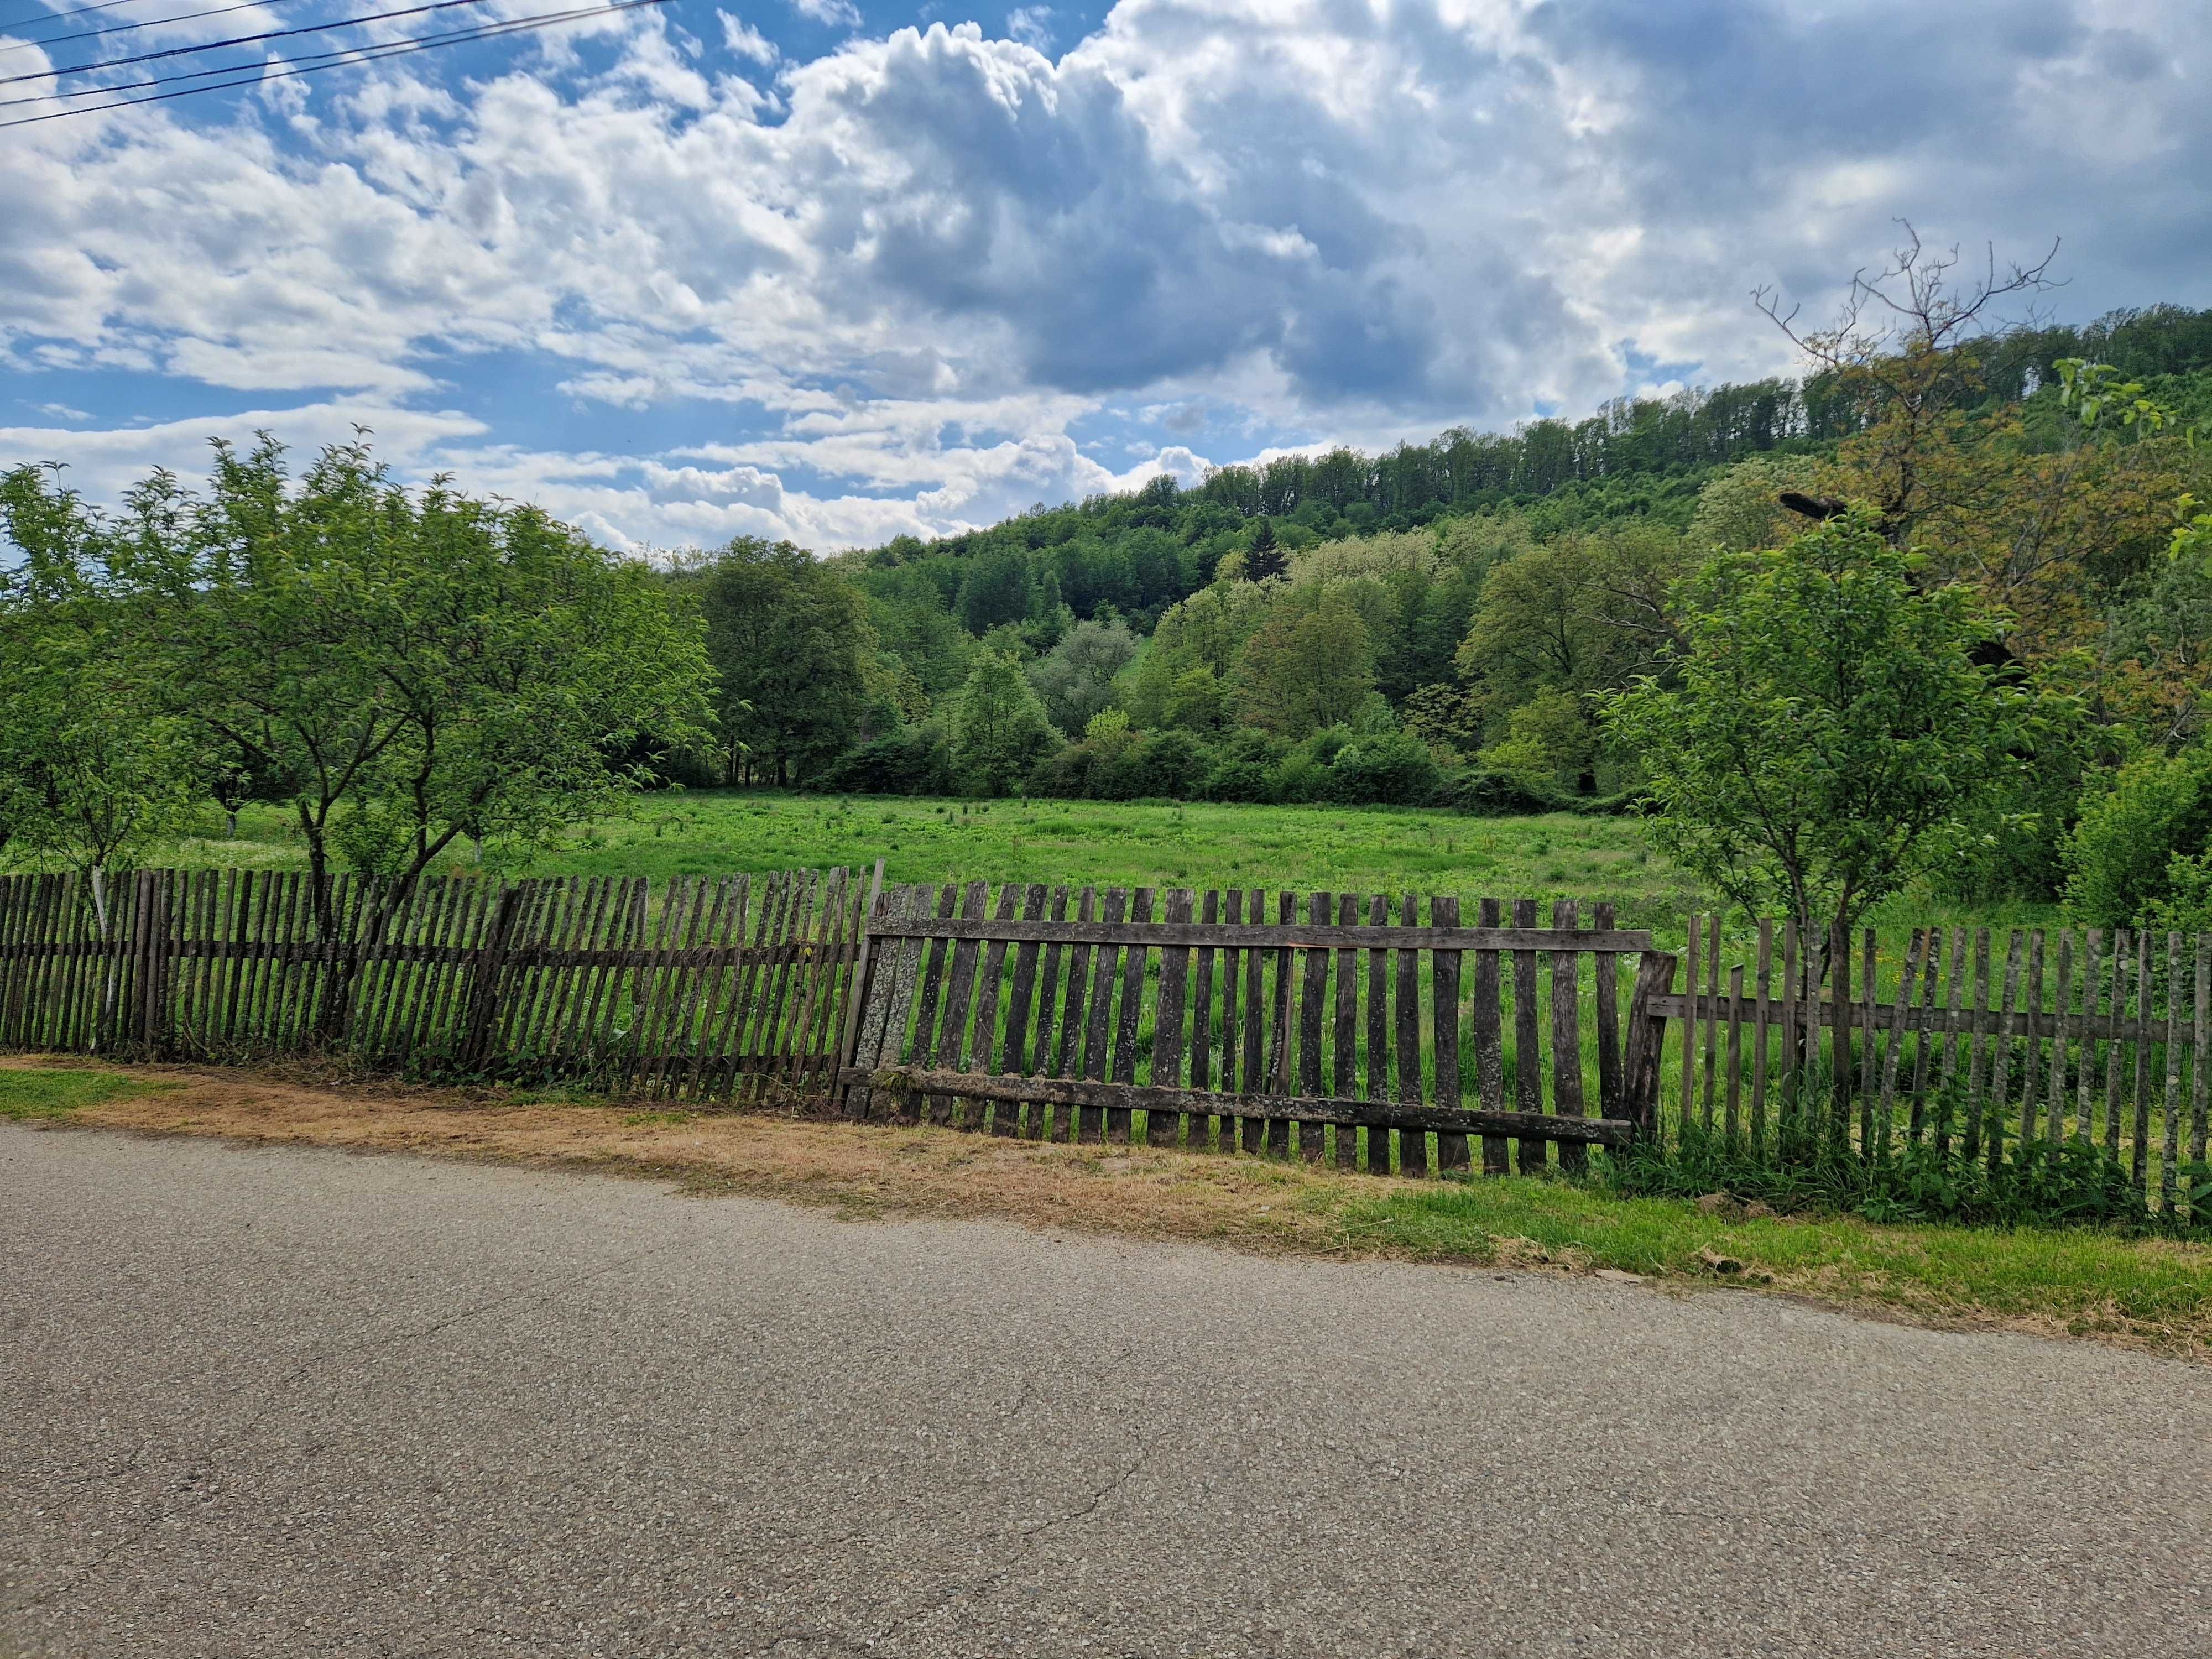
(886,288)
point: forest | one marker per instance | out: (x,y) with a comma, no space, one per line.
(1490,622)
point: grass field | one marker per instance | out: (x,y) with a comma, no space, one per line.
(1109,843)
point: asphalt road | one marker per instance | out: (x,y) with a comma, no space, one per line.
(296,1402)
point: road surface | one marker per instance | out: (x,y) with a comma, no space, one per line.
(300,1402)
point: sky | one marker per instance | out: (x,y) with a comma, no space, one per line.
(835,271)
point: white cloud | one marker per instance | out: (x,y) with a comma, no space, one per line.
(837,14)
(887,289)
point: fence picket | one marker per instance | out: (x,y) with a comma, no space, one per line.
(1444,1024)
(1489,1042)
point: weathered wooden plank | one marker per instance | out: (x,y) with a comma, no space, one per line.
(1894,1049)
(1869,1008)
(1164,1128)
(959,990)
(988,989)
(1021,998)
(1712,1018)
(1279,1025)
(1693,956)
(1090,1095)
(872,1005)
(1067,1056)
(1566,1030)
(1490,1044)
(1312,1019)
(1047,1007)
(1532,1156)
(2169,1174)
(1098,1029)
(1762,1032)
(1412,1144)
(1732,1125)
(2139,1159)
(1232,974)
(1443,1034)
(2086,1056)
(1345,1030)
(1605,987)
(1378,1037)
(1793,1057)
(2200,1070)
(2115,1052)
(1977,1051)
(1646,1048)
(1128,1014)
(2056,1091)
(1288,932)
(1201,1010)
(2032,1030)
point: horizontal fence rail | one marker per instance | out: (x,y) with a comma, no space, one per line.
(701,988)
(1335,1027)
(1969,1042)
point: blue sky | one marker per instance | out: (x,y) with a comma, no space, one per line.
(835,271)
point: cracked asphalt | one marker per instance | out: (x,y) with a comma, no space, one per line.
(283,1401)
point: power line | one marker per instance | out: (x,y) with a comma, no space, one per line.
(237,41)
(150,23)
(342,60)
(450,37)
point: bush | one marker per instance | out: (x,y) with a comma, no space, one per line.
(1394,770)
(914,760)
(1489,793)
(2137,841)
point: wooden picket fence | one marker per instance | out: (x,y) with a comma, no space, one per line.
(1796,1049)
(705,988)
(1374,1030)
(1348,1029)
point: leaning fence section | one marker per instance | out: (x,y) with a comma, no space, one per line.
(1373,1031)
(705,988)
(1967,1041)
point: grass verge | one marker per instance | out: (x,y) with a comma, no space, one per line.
(29,1093)
(2146,1293)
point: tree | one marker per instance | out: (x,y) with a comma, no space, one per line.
(999,727)
(792,651)
(1905,353)
(93,771)
(1309,666)
(1263,556)
(1831,734)
(1075,679)
(400,670)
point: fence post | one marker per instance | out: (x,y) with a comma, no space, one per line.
(484,989)
(1647,1039)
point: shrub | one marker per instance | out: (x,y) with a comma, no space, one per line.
(2134,842)
(1393,770)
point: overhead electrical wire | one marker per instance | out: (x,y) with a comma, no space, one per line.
(237,41)
(343,58)
(150,23)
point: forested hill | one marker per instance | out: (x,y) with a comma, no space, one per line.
(1137,553)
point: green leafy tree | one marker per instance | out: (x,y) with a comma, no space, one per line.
(999,730)
(1075,679)
(1309,665)
(400,670)
(93,770)
(793,655)
(1831,734)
